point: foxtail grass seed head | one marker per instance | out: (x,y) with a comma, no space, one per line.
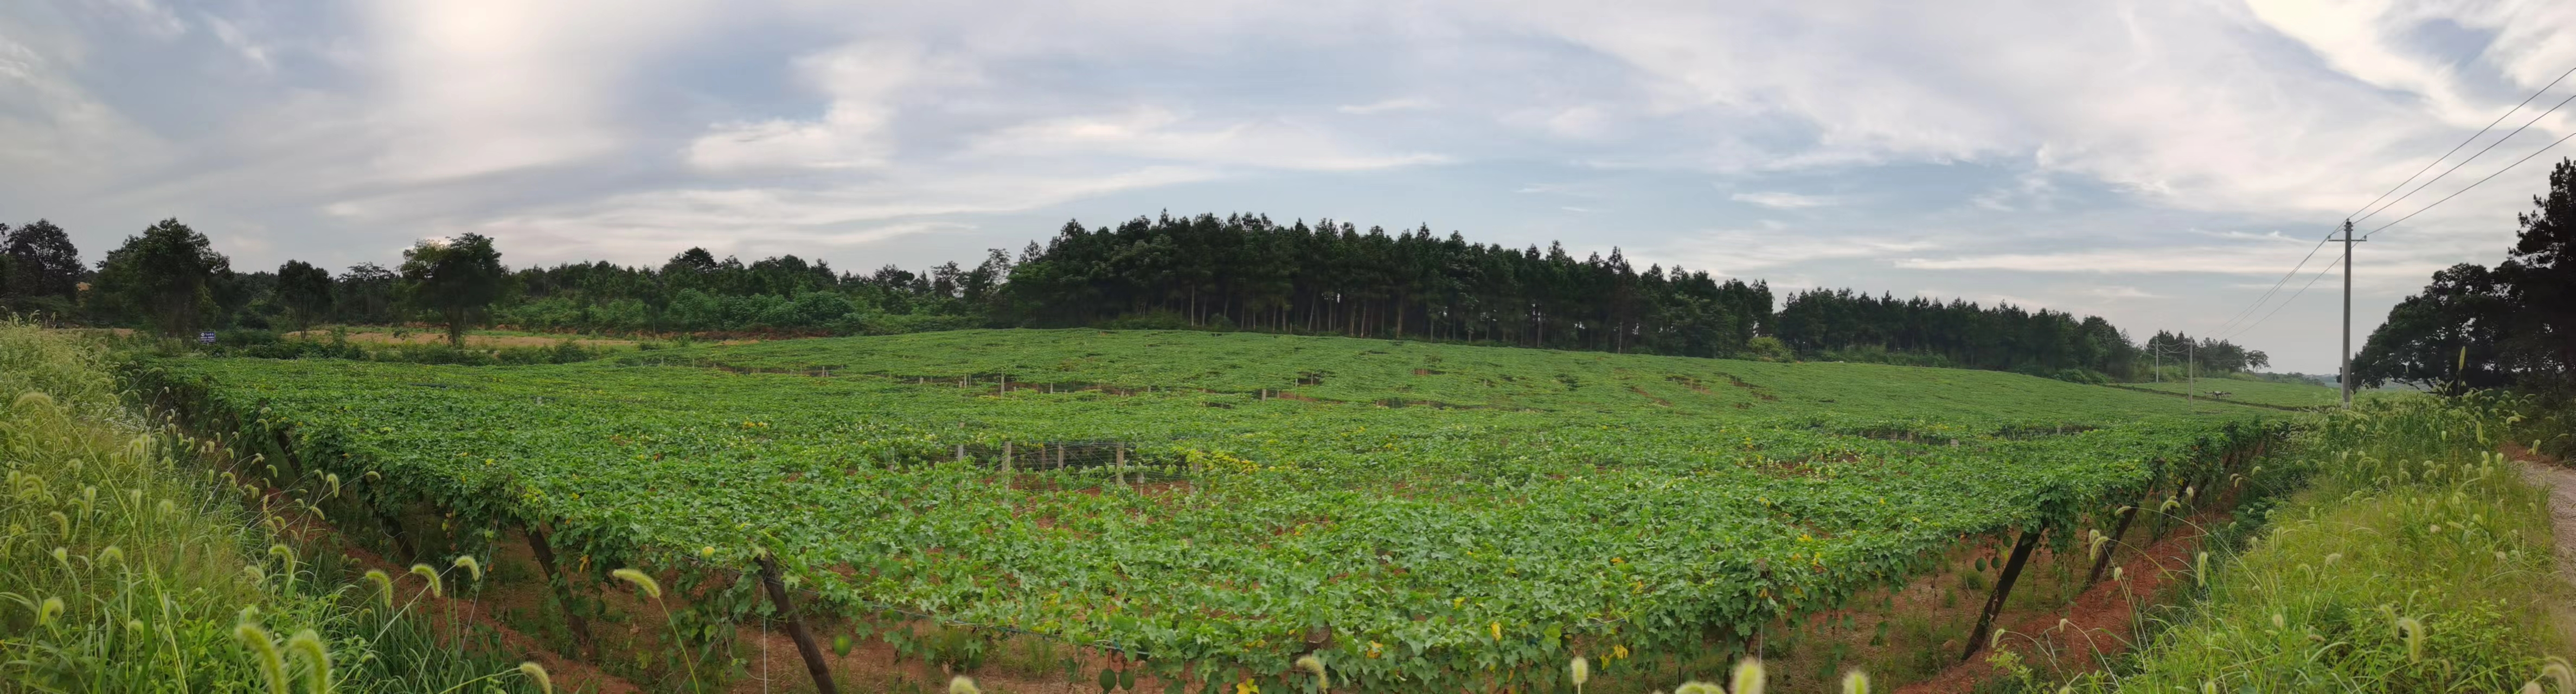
(2119,573)
(644,584)
(962,684)
(263,653)
(2558,670)
(2279,622)
(1698,688)
(1579,671)
(436,590)
(473,569)
(332,482)
(1312,664)
(111,555)
(384,586)
(1748,676)
(1855,682)
(2200,569)
(2412,630)
(537,673)
(308,646)
(2332,558)
(48,610)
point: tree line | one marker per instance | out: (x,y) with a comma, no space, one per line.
(1238,272)
(2479,327)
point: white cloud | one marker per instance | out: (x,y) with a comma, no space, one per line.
(1407,103)
(2115,293)
(864,81)
(1785,201)
(1741,252)
(1149,132)
(2224,260)
(476,87)
(638,227)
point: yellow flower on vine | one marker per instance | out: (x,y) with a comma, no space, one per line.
(1497,628)
(1246,687)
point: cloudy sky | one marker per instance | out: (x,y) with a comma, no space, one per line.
(2161,163)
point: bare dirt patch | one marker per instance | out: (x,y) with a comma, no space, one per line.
(2097,627)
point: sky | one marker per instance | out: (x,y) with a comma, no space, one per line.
(2159,163)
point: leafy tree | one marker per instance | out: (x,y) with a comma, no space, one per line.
(305,291)
(166,276)
(454,278)
(42,260)
(2539,274)
(365,293)
(2446,338)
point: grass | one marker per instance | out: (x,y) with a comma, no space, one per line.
(2264,393)
(2418,560)
(129,565)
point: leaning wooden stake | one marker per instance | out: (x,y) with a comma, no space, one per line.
(2003,588)
(2112,546)
(805,646)
(394,529)
(563,592)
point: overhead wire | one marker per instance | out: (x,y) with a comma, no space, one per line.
(2455,149)
(2329,237)
(2456,193)
(2465,161)
(2285,303)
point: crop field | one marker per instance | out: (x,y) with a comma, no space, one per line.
(1209,503)
(2265,393)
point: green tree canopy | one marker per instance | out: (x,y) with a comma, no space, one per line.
(2444,338)
(305,291)
(2539,274)
(166,276)
(455,278)
(42,260)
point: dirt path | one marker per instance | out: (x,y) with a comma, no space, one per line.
(2561,482)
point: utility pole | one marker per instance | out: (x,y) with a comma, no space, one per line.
(2345,378)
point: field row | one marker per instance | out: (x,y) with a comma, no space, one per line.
(1434,543)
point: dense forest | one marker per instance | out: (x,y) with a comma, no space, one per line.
(1238,272)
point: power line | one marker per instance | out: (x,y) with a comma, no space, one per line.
(2276,284)
(2465,161)
(2456,193)
(2321,243)
(2455,149)
(2285,303)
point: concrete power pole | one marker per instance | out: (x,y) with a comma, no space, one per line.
(2344,378)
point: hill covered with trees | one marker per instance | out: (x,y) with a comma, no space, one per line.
(1238,272)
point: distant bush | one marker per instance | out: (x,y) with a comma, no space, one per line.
(1767,348)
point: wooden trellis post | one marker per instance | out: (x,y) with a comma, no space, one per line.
(562,585)
(2113,545)
(805,646)
(2003,589)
